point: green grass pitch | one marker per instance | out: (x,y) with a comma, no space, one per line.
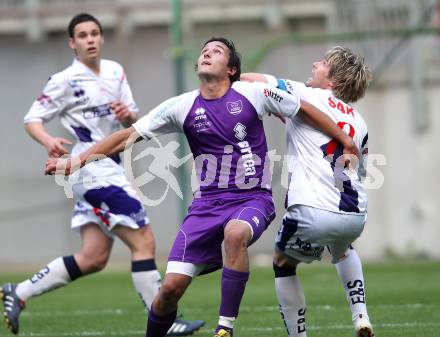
(403,301)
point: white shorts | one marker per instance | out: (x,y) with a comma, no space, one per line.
(109,206)
(306,231)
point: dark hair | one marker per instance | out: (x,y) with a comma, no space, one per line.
(80,18)
(234,56)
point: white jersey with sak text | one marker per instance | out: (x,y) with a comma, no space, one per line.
(319,177)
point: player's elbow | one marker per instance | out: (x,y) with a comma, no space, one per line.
(32,128)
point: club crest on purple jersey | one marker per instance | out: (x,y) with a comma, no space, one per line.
(234,107)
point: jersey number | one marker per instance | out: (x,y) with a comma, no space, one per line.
(332,151)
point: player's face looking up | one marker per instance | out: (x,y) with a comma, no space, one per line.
(87,42)
(213,62)
(320,75)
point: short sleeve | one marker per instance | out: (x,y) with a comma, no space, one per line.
(292,87)
(267,99)
(167,117)
(50,103)
(271,80)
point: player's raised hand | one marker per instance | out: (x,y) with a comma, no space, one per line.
(55,148)
(56,166)
(121,111)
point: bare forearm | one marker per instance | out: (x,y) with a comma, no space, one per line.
(112,144)
(322,122)
(253,77)
(37,131)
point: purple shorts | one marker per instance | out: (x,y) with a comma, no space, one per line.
(201,235)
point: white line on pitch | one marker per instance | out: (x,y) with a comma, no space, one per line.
(332,307)
(110,312)
(87,312)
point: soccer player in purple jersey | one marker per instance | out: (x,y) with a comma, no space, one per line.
(222,121)
(92,98)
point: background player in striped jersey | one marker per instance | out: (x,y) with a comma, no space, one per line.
(222,122)
(326,202)
(92,98)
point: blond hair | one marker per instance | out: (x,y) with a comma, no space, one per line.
(349,74)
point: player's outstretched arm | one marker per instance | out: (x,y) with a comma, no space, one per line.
(258,77)
(253,77)
(112,144)
(326,125)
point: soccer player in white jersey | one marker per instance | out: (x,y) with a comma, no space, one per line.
(92,98)
(326,202)
(222,122)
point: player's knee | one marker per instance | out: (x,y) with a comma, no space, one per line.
(98,264)
(171,292)
(93,263)
(141,243)
(237,237)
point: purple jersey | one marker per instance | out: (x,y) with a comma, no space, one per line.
(226,135)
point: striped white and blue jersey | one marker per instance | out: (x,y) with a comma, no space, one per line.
(318,178)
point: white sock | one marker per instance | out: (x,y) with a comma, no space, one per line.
(147,284)
(292,305)
(53,276)
(352,278)
(226,321)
